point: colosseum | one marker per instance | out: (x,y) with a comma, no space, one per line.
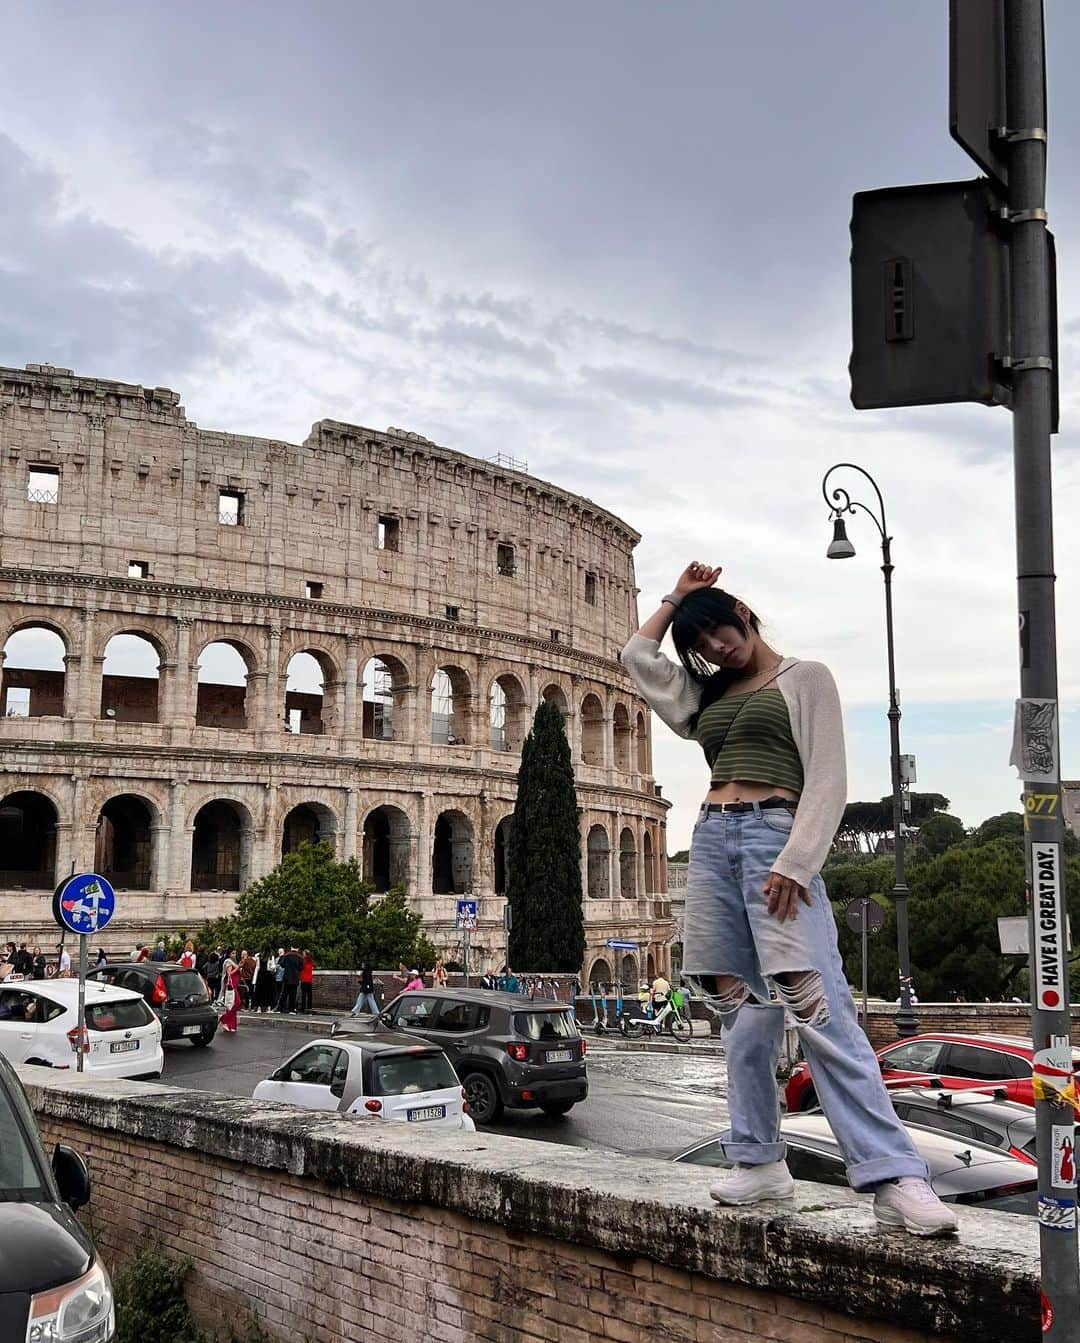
(216,647)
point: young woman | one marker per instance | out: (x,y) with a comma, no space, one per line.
(307,978)
(230,988)
(758,933)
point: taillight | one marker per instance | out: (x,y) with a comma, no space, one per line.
(373,1105)
(584,1046)
(161,993)
(519,1052)
(1022,1156)
(73,1037)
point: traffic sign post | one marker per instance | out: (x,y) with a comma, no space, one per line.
(864,916)
(83,904)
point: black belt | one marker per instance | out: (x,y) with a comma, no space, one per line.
(769,804)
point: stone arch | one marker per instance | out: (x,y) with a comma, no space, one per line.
(386,847)
(385,681)
(501,856)
(554,694)
(310,822)
(452,854)
(33,672)
(650,967)
(131,677)
(623,733)
(507,713)
(629,972)
(598,861)
(28,826)
(124,842)
(43,622)
(641,737)
(592,730)
(224,666)
(627,865)
(650,863)
(450,694)
(599,973)
(221,842)
(311,691)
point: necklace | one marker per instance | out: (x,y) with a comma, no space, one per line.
(753,676)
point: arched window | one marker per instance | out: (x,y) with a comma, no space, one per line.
(387,841)
(306,710)
(452,854)
(310,823)
(506,708)
(627,865)
(502,854)
(599,974)
(553,694)
(32,676)
(598,853)
(27,841)
(650,864)
(124,846)
(222,687)
(641,733)
(449,707)
(592,730)
(629,973)
(221,847)
(385,680)
(621,722)
(129,680)
(650,963)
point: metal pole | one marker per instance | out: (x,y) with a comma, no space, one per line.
(1044,833)
(906,1021)
(465,955)
(865,906)
(82,1000)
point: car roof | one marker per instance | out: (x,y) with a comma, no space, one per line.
(965,1098)
(391,1041)
(151,967)
(520,1002)
(67,990)
(1013,1042)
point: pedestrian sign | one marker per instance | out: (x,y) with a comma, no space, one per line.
(466,915)
(84,903)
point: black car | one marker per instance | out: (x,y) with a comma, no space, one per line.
(508,1049)
(52,1284)
(178,997)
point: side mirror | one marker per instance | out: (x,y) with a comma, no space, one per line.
(72,1177)
(385,1019)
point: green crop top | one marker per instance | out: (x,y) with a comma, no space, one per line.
(757,746)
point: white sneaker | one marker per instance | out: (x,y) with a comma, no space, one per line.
(754,1184)
(911,1203)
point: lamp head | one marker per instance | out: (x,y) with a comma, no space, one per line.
(840,548)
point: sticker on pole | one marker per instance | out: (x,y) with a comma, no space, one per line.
(1052,1076)
(1057,1214)
(1048,953)
(1035,740)
(1063,1175)
(85,903)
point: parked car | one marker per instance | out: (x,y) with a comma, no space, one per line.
(951,1061)
(960,1172)
(383,1077)
(52,1284)
(508,1049)
(178,997)
(39,1023)
(982,1115)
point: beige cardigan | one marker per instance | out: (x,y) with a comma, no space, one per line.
(816,724)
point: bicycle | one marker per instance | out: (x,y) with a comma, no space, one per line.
(669,1017)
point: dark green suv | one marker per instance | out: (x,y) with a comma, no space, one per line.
(508,1049)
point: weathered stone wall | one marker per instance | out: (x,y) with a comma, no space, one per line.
(134,482)
(341,1229)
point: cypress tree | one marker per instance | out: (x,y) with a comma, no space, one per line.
(543,877)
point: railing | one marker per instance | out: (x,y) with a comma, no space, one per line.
(43,496)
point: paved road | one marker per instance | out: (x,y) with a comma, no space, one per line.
(640,1103)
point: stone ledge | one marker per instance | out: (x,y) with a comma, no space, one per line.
(826,1249)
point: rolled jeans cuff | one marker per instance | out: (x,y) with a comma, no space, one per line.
(867,1174)
(755,1153)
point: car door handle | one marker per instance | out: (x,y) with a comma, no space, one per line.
(26,1035)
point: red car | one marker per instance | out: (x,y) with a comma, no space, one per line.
(952,1061)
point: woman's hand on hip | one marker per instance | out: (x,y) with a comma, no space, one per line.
(783,895)
(696,575)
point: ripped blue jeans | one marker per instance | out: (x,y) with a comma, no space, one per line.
(749,969)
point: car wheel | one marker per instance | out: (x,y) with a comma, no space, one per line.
(485,1104)
(553,1109)
(201,1041)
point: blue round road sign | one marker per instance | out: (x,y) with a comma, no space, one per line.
(85,903)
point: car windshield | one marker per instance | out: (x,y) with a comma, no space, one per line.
(184,984)
(123,1015)
(545,1025)
(406,1074)
(20,1176)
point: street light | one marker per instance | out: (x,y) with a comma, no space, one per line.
(841,548)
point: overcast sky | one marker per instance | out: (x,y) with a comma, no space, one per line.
(609,237)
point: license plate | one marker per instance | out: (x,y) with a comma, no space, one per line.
(192,1030)
(123,1046)
(428,1112)
(559,1055)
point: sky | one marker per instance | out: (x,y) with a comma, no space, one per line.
(606,237)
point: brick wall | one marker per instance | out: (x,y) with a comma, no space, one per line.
(965,1018)
(335,1230)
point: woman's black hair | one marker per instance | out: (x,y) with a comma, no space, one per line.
(700,611)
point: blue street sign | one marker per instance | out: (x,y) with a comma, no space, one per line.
(621,946)
(467,914)
(85,903)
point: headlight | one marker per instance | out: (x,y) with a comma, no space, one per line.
(79,1312)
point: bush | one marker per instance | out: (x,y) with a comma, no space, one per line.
(150,1302)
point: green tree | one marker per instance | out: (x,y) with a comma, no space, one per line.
(392,933)
(1006,825)
(543,879)
(939,832)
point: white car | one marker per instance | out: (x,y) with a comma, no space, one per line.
(377,1077)
(39,1024)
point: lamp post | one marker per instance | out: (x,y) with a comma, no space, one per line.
(840,548)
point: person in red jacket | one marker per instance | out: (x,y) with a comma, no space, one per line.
(307,974)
